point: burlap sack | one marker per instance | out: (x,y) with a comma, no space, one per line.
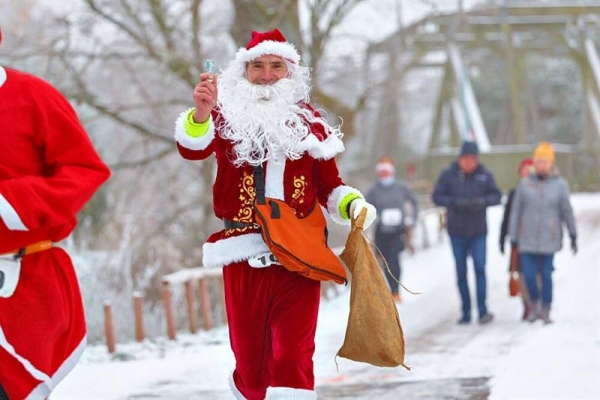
(374,333)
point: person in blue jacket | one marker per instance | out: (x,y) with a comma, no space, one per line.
(466,188)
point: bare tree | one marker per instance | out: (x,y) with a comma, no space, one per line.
(312,38)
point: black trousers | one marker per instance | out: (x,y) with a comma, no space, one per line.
(3,395)
(390,245)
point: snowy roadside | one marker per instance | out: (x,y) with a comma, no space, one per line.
(506,359)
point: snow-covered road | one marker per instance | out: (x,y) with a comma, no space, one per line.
(506,359)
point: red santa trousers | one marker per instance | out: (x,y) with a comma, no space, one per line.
(42,326)
(272,315)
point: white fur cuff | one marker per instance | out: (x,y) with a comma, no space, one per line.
(334,200)
(190,142)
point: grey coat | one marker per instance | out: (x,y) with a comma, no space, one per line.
(539,209)
(395,196)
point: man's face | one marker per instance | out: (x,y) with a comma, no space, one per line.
(384,173)
(468,163)
(524,171)
(542,165)
(266,70)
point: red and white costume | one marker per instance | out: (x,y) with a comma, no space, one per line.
(48,171)
(272,312)
(300,182)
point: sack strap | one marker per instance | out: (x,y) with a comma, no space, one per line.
(259,182)
(32,248)
(229,224)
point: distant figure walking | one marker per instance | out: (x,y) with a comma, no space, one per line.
(524,171)
(466,189)
(540,208)
(397,209)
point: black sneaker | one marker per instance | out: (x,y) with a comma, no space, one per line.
(486,318)
(464,320)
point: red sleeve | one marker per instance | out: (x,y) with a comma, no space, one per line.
(59,170)
(328,179)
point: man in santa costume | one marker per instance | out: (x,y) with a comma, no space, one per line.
(261,116)
(48,171)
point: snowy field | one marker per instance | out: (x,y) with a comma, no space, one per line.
(507,359)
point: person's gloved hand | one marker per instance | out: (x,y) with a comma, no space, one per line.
(356,207)
(574,244)
(468,204)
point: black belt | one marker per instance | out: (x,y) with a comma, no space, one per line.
(229,224)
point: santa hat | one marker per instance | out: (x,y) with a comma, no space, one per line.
(385,164)
(271,43)
(544,150)
(527,162)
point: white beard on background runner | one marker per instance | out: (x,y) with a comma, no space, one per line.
(265,122)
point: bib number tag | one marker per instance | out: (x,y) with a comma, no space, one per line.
(391,217)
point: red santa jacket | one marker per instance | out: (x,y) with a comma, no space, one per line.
(48,171)
(299,183)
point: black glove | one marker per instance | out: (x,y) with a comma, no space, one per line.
(468,204)
(502,246)
(574,244)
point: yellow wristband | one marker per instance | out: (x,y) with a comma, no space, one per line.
(195,129)
(345,204)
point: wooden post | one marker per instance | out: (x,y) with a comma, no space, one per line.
(205,304)
(168,305)
(189,297)
(324,289)
(109,327)
(138,302)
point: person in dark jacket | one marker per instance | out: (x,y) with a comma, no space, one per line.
(524,170)
(397,209)
(540,209)
(466,189)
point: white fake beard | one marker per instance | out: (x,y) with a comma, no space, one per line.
(263,121)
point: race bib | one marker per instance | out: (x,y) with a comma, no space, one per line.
(391,217)
(10,270)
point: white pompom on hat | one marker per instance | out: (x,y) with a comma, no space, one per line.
(267,43)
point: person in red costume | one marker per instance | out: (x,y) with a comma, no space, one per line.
(48,171)
(260,116)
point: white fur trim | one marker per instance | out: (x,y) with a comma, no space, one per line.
(2,76)
(282,49)
(287,393)
(236,393)
(234,249)
(42,390)
(33,371)
(189,142)
(274,180)
(335,198)
(322,150)
(10,217)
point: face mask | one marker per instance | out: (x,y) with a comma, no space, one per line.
(387,181)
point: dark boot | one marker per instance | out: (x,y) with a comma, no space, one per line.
(535,312)
(545,314)
(527,309)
